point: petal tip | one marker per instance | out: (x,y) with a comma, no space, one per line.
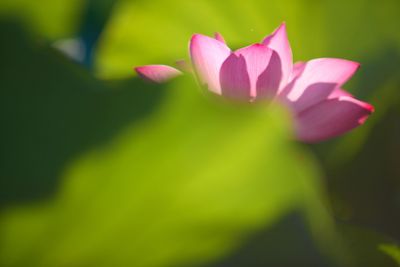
(356,64)
(195,37)
(280,30)
(219,37)
(369,108)
(198,39)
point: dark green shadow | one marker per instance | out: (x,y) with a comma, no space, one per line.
(52,110)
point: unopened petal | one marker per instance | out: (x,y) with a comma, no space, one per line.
(317,81)
(331,118)
(157,73)
(279,42)
(207,55)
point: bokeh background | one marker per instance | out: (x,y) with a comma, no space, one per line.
(98,168)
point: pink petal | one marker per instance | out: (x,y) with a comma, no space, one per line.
(235,81)
(298,68)
(317,81)
(157,73)
(207,56)
(338,93)
(263,68)
(219,37)
(279,42)
(330,118)
(268,82)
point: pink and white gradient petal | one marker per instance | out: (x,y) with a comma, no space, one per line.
(157,73)
(279,42)
(338,92)
(331,118)
(207,55)
(298,68)
(319,78)
(263,68)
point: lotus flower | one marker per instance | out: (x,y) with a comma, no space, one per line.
(312,90)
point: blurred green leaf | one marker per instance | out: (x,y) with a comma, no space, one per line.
(365,246)
(52,19)
(184,186)
(391,250)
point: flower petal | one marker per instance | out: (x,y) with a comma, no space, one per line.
(207,56)
(279,42)
(298,68)
(235,81)
(330,118)
(317,81)
(338,92)
(157,73)
(268,82)
(263,68)
(219,37)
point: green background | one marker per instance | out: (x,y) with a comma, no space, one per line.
(98,168)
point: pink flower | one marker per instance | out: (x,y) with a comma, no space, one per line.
(312,90)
